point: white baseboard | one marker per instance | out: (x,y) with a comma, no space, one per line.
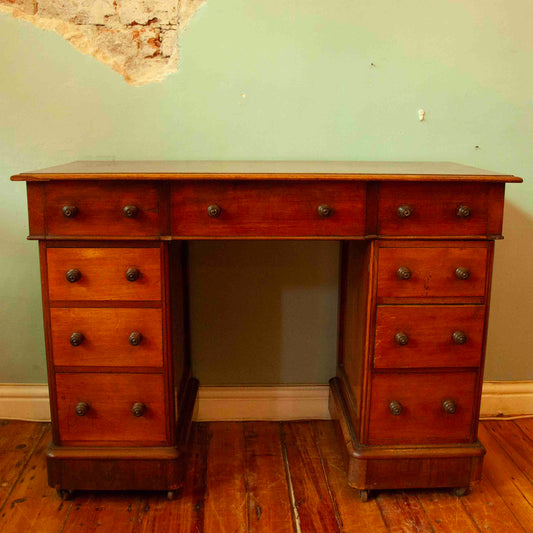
(298,402)
(24,401)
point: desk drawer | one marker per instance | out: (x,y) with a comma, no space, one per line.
(419,401)
(433,209)
(97,408)
(101,273)
(125,337)
(101,209)
(268,209)
(433,271)
(410,336)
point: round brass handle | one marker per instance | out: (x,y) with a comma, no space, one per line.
(404,211)
(401,338)
(395,408)
(82,408)
(73,275)
(214,210)
(76,339)
(459,337)
(131,211)
(463,211)
(135,338)
(324,210)
(449,406)
(69,211)
(133,274)
(138,409)
(462,273)
(403,273)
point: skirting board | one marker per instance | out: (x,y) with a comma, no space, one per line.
(297,402)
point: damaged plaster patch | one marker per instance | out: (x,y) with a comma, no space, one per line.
(137,38)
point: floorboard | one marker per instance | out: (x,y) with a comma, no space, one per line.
(261,477)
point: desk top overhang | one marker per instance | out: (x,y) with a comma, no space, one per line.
(265,170)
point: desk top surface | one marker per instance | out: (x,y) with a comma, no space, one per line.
(263,170)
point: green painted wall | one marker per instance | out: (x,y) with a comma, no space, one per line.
(311,92)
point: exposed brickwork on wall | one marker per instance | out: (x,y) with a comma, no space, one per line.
(137,38)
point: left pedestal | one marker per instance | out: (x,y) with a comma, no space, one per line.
(121,394)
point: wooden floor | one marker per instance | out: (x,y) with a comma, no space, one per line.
(268,477)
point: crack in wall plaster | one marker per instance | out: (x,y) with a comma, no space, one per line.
(136,38)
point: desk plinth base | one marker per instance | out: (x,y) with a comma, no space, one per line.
(163,468)
(402,467)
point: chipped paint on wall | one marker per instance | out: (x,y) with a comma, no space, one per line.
(137,38)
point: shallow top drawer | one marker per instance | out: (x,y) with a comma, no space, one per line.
(466,209)
(268,209)
(101,209)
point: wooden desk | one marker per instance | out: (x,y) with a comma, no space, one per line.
(417,248)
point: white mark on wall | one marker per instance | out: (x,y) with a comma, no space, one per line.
(421,115)
(137,38)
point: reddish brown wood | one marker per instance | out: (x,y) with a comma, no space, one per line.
(36,219)
(432,272)
(109,419)
(355,516)
(101,209)
(310,493)
(264,473)
(18,441)
(226,498)
(268,209)
(421,447)
(422,419)
(32,506)
(257,170)
(434,209)
(106,335)
(103,273)
(429,329)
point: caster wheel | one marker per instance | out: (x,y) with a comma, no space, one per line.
(364,495)
(65,494)
(171,495)
(460,491)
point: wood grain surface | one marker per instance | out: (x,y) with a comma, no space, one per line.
(503,502)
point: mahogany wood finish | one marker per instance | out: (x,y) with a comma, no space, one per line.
(109,420)
(268,209)
(106,334)
(434,209)
(101,209)
(416,265)
(103,273)
(423,419)
(430,333)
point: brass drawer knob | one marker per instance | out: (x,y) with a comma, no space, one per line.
(73,275)
(462,273)
(396,408)
(404,211)
(463,211)
(403,273)
(459,337)
(82,408)
(324,210)
(214,210)
(69,211)
(76,339)
(135,338)
(138,409)
(401,338)
(133,274)
(131,211)
(449,407)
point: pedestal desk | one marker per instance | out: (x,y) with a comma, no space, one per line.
(416,262)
